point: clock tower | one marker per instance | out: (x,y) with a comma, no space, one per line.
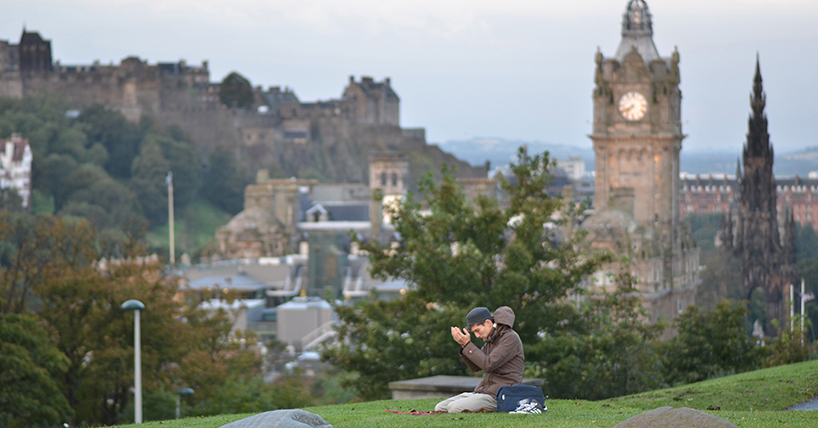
(637,137)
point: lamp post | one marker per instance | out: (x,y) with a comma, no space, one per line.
(137,307)
(179,394)
(169,180)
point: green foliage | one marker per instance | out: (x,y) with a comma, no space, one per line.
(185,164)
(236,91)
(611,353)
(119,137)
(702,351)
(704,228)
(195,228)
(809,272)
(30,371)
(721,278)
(100,166)
(790,346)
(806,241)
(224,180)
(10,200)
(460,256)
(48,268)
(157,405)
(148,182)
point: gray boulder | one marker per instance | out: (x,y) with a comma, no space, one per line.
(668,417)
(291,418)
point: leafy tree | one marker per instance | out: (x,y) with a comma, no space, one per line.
(52,267)
(613,352)
(224,180)
(789,347)
(457,257)
(116,134)
(710,344)
(185,164)
(807,241)
(148,182)
(236,91)
(56,168)
(10,200)
(721,278)
(703,228)
(30,369)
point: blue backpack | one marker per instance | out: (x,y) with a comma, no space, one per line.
(520,399)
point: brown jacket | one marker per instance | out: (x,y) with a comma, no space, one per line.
(501,357)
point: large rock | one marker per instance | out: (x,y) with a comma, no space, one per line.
(668,417)
(295,418)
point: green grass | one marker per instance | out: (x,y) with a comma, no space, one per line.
(749,400)
(194,227)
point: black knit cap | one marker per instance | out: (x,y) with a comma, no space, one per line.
(477,316)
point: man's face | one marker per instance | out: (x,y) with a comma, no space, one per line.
(482,331)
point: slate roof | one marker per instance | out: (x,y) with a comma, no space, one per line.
(230,282)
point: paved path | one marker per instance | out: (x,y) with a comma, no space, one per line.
(807,405)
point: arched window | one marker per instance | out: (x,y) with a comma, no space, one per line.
(383,179)
(394,179)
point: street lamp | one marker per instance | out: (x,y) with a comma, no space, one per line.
(137,307)
(179,394)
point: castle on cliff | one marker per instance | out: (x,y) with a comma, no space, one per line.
(331,138)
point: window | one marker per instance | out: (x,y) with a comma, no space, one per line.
(383,179)
(394,179)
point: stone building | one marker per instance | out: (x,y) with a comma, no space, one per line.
(767,262)
(719,194)
(372,102)
(637,136)
(280,216)
(15,167)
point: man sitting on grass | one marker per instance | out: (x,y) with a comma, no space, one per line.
(501,357)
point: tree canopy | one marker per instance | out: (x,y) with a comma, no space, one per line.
(236,91)
(457,255)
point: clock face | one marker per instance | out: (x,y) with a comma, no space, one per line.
(633,106)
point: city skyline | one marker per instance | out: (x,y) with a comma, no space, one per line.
(465,69)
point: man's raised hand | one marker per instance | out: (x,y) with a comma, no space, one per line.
(461,336)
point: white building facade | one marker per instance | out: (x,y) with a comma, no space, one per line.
(15,167)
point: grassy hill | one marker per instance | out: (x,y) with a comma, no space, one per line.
(752,400)
(194,228)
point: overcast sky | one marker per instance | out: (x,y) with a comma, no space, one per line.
(465,68)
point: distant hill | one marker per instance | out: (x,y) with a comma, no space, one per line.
(498,152)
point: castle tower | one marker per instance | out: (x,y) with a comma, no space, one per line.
(637,137)
(758,244)
(34,52)
(388,172)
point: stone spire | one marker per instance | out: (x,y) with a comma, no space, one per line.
(637,33)
(758,139)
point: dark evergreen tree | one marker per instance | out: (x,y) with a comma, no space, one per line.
(457,257)
(236,91)
(148,181)
(119,137)
(224,180)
